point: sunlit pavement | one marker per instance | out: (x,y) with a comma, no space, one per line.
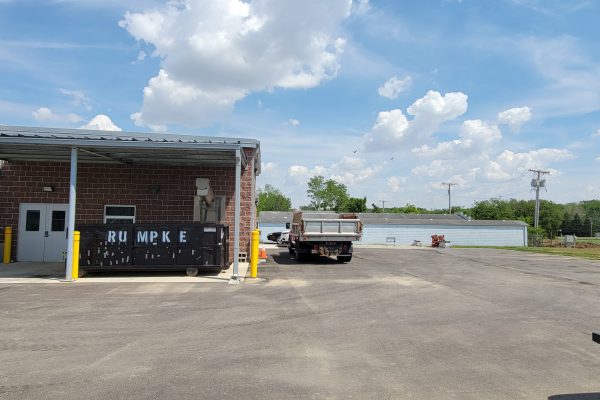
(422,324)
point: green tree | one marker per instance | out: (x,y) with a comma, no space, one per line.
(573,226)
(523,210)
(492,209)
(412,209)
(592,214)
(375,208)
(272,199)
(326,195)
(536,236)
(355,204)
(581,218)
(577,225)
(551,217)
(551,214)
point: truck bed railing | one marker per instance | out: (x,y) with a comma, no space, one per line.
(331,227)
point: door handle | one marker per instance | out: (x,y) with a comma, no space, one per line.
(46,234)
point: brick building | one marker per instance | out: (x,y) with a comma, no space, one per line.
(120,177)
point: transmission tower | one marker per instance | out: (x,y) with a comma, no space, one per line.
(536,183)
(449,184)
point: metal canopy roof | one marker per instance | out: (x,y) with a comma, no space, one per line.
(51,144)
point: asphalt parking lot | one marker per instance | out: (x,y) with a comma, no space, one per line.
(410,324)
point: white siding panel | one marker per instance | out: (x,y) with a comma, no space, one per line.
(457,235)
(266,228)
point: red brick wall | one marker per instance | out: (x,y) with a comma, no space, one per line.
(102,184)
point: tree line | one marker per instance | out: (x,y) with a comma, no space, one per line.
(324,195)
(581,219)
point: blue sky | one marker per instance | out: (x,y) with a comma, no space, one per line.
(391,98)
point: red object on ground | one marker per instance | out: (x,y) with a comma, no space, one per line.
(436,240)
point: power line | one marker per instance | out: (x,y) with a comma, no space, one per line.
(536,183)
(449,184)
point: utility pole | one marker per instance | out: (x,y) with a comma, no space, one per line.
(449,184)
(383,205)
(537,182)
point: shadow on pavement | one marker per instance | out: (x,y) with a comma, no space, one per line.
(33,270)
(56,271)
(140,274)
(576,396)
(284,258)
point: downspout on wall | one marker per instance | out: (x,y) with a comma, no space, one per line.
(72,202)
(236,235)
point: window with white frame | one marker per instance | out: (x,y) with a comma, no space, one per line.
(119,214)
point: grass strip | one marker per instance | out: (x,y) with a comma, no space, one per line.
(589,253)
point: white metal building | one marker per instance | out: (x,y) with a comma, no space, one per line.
(403,229)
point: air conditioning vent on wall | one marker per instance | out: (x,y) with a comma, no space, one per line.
(204,191)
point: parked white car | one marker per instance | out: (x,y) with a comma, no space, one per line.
(284,239)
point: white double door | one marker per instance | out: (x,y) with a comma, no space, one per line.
(42,232)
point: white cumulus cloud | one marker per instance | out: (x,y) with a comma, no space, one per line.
(298,171)
(44,114)
(79,98)
(394,86)
(360,7)
(436,169)
(510,164)
(396,183)
(101,122)
(215,52)
(475,136)
(515,117)
(392,129)
(268,167)
(348,170)
(477,156)
(292,122)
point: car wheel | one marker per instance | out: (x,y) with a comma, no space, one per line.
(191,271)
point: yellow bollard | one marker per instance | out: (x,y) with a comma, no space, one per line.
(254,254)
(75,269)
(7,244)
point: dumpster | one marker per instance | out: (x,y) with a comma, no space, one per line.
(188,247)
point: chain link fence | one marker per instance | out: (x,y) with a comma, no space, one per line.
(536,240)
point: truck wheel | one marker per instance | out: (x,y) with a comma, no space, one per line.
(299,257)
(344,258)
(191,271)
(291,250)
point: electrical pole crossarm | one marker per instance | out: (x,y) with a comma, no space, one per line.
(536,183)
